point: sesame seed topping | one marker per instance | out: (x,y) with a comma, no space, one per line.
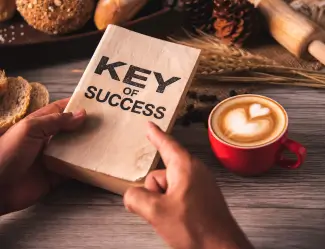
(57,2)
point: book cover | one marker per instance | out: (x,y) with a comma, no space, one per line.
(130,80)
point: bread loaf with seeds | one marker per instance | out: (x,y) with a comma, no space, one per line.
(39,97)
(14,103)
(56,16)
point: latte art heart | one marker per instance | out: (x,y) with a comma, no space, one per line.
(256,110)
(238,124)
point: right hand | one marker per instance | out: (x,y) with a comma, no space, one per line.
(183,203)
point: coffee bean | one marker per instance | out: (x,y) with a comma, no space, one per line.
(214,98)
(186,122)
(196,116)
(192,95)
(190,107)
(206,125)
(203,97)
(232,93)
(208,98)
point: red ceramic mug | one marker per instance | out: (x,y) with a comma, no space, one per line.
(253,157)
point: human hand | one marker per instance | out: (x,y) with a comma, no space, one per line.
(183,203)
(23,178)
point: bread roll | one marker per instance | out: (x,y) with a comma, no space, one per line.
(116,11)
(56,16)
(7,9)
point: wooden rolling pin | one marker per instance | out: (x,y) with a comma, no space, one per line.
(295,32)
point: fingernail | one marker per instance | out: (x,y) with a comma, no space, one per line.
(150,124)
(79,113)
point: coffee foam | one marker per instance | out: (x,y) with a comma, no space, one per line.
(248,120)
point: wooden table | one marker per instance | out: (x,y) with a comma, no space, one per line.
(281,210)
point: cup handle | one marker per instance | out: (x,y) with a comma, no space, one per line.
(295,148)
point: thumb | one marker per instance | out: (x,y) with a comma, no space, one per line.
(141,201)
(21,144)
(48,125)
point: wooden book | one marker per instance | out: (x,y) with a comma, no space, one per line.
(130,80)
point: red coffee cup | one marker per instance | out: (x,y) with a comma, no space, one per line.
(255,160)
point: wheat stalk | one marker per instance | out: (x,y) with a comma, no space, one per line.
(223,63)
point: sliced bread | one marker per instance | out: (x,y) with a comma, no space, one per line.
(14,103)
(39,97)
(3,82)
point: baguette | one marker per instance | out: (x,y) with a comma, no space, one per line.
(116,11)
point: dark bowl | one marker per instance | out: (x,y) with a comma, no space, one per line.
(30,47)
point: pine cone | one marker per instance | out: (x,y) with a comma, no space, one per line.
(200,14)
(235,21)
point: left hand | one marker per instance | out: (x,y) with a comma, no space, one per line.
(23,178)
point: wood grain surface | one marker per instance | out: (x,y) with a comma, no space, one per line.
(284,209)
